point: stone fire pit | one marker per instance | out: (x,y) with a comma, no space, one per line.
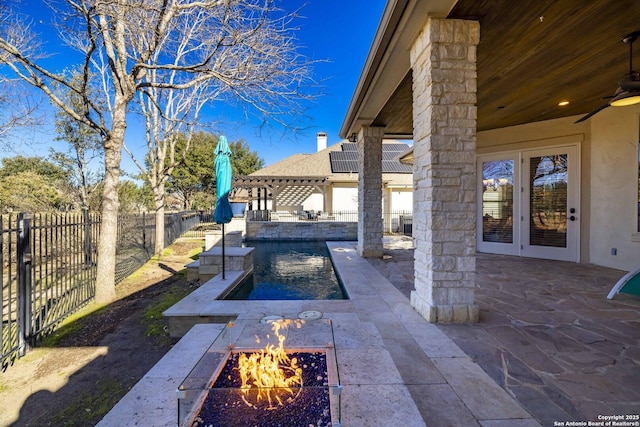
(270,373)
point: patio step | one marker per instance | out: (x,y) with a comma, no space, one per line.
(192,309)
(193,271)
(235,258)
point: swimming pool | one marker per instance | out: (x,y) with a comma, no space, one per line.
(289,270)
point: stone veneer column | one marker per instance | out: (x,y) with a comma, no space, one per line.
(370,192)
(443,60)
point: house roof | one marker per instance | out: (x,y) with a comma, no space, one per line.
(532,54)
(338,164)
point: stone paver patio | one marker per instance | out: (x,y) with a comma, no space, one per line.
(547,334)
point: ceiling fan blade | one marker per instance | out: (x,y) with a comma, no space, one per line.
(597,110)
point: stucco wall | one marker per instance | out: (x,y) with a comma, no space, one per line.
(608,177)
(315,202)
(345,197)
(614,188)
(401,199)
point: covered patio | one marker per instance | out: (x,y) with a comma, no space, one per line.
(480,84)
(547,334)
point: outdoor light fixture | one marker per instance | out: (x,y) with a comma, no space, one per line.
(563,103)
(628,92)
(353,138)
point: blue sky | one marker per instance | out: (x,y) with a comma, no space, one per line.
(339,32)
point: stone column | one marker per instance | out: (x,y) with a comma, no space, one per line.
(370,192)
(443,60)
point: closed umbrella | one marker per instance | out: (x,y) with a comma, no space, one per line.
(223,213)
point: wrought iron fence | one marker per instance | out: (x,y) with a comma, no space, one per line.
(205,223)
(48,266)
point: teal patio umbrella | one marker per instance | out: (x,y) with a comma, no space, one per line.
(223,213)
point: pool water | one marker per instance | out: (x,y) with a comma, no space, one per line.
(289,270)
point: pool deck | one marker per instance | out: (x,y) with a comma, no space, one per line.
(396,368)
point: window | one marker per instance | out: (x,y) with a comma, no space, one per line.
(497,201)
(548,191)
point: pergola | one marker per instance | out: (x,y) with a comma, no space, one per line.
(277,185)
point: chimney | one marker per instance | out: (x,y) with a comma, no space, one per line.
(322,141)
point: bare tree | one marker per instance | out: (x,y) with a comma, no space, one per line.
(170,114)
(240,49)
(16,109)
(84,147)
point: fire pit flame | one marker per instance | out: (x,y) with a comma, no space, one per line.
(270,370)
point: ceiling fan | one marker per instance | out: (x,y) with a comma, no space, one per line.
(628,92)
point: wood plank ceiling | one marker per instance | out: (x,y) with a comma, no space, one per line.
(534,54)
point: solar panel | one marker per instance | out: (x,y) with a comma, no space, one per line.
(346,161)
(391,155)
(344,166)
(344,155)
(395,148)
(395,167)
(343,161)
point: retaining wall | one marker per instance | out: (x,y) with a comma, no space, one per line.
(312,230)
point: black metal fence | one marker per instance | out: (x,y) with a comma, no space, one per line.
(48,266)
(205,223)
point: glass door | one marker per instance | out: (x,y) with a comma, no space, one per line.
(528,203)
(550,217)
(498,231)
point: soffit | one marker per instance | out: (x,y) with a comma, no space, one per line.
(532,54)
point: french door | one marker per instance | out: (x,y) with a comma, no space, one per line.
(529,203)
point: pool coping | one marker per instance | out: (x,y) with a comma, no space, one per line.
(275,274)
(204,304)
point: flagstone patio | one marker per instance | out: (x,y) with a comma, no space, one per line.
(547,334)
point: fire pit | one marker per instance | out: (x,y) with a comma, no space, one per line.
(273,373)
